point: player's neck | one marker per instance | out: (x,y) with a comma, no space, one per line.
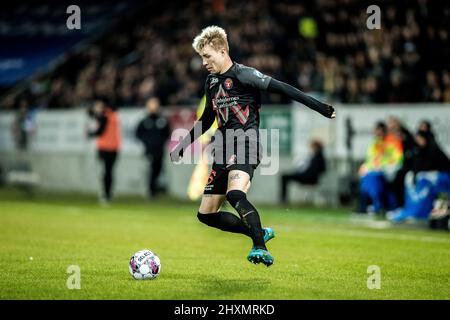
(226,66)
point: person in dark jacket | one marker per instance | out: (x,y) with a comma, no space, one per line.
(428,156)
(309,174)
(425,126)
(153,131)
(429,177)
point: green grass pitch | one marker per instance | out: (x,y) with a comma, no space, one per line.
(319,253)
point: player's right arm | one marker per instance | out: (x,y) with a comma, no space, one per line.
(200,127)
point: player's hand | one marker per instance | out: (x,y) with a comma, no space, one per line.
(176,153)
(333,115)
(330,113)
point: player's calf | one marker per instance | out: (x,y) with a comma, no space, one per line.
(249,216)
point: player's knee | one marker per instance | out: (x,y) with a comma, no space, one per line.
(234,196)
(206,218)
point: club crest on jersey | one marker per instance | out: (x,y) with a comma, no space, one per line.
(228,84)
(213,82)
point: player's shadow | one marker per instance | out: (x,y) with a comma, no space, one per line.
(212,287)
(215,288)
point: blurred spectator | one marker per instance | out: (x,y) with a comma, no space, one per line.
(371,92)
(153,131)
(430,176)
(432,91)
(425,126)
(446,86)
(320,45)
(23,126)
(309,173)
(108,142)
(428,155)
(384,158)
(398,130)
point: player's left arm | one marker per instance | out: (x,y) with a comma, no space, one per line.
(297,95)
(254,78)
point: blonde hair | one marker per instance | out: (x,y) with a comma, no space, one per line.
(212,35)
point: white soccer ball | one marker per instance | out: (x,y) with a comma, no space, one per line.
(144,264)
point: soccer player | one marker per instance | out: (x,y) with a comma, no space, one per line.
(233,95)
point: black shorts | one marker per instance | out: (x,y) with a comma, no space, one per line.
(218,178)
(245,158)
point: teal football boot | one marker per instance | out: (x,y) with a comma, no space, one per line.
(260,255)
(268,234)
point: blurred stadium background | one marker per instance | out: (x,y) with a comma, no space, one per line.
(130,51)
